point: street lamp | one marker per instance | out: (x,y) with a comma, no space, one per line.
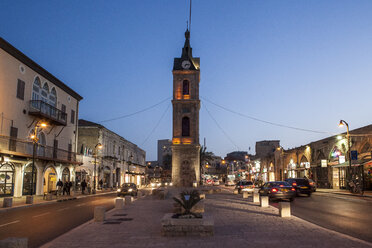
(98,146)
(341,124)
(35,140)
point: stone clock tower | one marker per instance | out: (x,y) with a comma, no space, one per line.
(186,106)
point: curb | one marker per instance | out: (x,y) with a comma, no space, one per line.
(4,210)
(340,193)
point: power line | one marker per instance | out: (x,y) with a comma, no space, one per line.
(157,124)
(263,121)
(215,121)
(137,112)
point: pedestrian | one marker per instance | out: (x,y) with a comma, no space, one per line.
(69,185)
(100,183)
(65,185)
(59,186)
(83,186)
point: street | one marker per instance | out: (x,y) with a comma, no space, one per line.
(345,214)
(41,224)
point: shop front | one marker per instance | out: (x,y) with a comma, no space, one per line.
(6,179)
(50,180)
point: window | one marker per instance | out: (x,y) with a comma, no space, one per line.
(44,93)
(185,126)
(186,87)
(36,89)
(63,108)
(13,139)
(21,89)
(72,116)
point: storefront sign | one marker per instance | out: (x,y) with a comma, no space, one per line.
(323,162)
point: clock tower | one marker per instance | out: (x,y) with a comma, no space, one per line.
(186,106)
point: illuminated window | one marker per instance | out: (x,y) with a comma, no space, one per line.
(186,89)
(185,126)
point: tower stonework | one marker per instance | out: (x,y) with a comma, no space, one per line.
(186,106)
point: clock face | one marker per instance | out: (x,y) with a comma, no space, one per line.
(186,64)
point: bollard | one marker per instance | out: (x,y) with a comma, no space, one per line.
(8,202)
(264,201)
(29,199)
(99,214)
(128,200)
(284,209)
(256,197)
(236,191)
(202,196)
(119,203)
(14,243)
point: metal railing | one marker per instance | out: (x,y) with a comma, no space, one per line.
(46,110)
(11,145)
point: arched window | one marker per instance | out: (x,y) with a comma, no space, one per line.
(36,91)
(53,97)
(185,126)
(45,93)
(28,181)
(6,179)
(186,87)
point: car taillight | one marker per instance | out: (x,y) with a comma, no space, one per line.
(241,186)
(253,186)
(293,189)
(274,190)
(311,183)
(294,184)
(281,185)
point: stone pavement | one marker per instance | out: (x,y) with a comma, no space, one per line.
(238,223)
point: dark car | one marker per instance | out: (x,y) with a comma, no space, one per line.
(278,190)
(127,189)
(301,185)
(244,185)
(312,185)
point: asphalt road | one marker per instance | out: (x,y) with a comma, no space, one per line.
(41,224)
(345,214)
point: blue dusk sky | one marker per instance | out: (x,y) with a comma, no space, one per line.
(305,64)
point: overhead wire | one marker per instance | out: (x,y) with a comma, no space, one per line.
(264,121)
(157,124)
(219,126)
(134,113)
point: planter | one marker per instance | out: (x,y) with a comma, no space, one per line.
(172,227)
(198,208)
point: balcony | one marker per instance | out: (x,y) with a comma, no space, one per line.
(44,110)
(22,148)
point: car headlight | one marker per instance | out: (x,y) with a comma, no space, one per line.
(159,184)
(152,184)
(166,184)
(170,184)
(119,190)
(130,190)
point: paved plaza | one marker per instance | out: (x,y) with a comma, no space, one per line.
(238,222)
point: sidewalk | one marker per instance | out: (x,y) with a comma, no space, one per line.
(238,223)
(344,192)
(20,202)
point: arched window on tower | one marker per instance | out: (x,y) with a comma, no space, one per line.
(185,126)
(186,89)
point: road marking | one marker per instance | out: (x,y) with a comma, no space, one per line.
(62,209)
(13,222)
(40,214)
(81,204)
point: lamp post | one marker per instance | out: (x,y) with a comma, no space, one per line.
(341,124)
(98,146)
(35,140)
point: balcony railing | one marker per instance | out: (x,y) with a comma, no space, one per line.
(24,148)
(42,109)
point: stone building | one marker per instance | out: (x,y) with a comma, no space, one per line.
(30,97)
(186,106)
(118,161)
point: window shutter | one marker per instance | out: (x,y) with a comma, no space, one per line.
(21,89)
(72,116)
(55,148)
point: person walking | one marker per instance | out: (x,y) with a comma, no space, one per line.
(100,183)
(59,186)
(69,185)
(65,185)
(83,186)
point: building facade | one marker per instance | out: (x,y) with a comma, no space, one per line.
(186,106)
(38,123)
(118,160)
(164,150)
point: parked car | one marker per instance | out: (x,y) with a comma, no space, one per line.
(301,185)
(244,185)
(312,185)
(216,182)
(127,189)
(278,190)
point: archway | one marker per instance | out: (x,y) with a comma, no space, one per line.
(6,179)
(50,180)
(106,177)
(65,175)
(29,182)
